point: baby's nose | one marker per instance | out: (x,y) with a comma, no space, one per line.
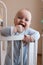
(22,20)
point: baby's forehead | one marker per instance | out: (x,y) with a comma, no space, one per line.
(23,12)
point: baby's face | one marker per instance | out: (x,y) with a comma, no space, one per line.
(23,18)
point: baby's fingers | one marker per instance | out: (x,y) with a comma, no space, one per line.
(25,40)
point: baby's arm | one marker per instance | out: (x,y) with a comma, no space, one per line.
(35,34)
(32,36)
(6,31)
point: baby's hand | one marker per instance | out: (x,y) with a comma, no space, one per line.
(28,38)
(18,28)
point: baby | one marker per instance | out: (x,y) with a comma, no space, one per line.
(22,23)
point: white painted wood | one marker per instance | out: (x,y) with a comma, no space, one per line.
(16,37)
(21,53)
(3,4)
(32,54)
(33,47)
(12,53)
(35,52)
(3,53)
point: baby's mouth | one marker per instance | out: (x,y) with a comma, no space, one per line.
(22,25)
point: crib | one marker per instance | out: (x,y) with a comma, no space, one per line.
(32,50)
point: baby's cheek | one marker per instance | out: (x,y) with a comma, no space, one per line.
(16,21)
(26,26)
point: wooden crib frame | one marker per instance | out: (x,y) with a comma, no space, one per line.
(32,54)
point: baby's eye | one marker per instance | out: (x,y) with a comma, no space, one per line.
(26,20)
(19,17)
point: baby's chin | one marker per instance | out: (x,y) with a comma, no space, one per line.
(20,28)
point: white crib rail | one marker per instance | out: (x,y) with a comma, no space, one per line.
(32,49)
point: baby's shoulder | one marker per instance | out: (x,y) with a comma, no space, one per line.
(32,31)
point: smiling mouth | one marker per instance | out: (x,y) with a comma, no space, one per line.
(22,24)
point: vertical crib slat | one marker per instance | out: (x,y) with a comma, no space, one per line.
(30,57)
(35,52)
(1,52)
(21,53)
(12,52)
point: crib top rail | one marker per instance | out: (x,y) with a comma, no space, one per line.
(13,37)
